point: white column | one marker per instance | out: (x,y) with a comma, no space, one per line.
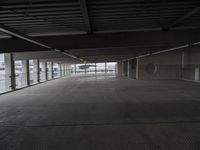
(95,68)
(137,68)
(106,68)
(63,69)
(45,73)
(10,71)
(128,68)
(196,74)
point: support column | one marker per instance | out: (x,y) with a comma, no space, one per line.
(130,69)
(122,68)
(28,72)
(68,69)
(196,73)
(50,70)
(119,68)
(105,67)
(65,67)
(115,68)
(95,68)
(74,68)
(63,70)
(10,71)
(46,75)
(137,68)
(85,69)
(125,68)
(60,70)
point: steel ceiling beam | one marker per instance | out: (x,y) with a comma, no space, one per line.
(183,18)
(84,9)
(14,33)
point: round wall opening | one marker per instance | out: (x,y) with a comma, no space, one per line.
(151,68)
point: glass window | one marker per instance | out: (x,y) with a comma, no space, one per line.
(33,70)
(42,71)
(49,70)
(56,70)
(90,68)
(80,68)
(5,80)
(100,68)
(21,73)
(111,67)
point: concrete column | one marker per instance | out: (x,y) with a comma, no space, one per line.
(125,68)
(10,71)
(60,70)
(122,68)
(63,70)
(115,68)
(196,73)
(36,72)
(46,75)
(68,69)
(74,68)
(137,68)
(182,64)
(95,68)
(25,73)
(85,69)
(51,70)
(119,68)
(28,72)
(106,68)
(130,69)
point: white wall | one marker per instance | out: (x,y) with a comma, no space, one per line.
(191,63)
(168,66)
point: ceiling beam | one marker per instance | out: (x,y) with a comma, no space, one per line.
(149,40)
(84,9)
(181,19)
(15,33)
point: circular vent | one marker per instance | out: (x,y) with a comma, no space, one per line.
(151,68)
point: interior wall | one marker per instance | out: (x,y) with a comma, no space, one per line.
(191,64)
(167,66)
(119,68)
(132,68)
(125,68)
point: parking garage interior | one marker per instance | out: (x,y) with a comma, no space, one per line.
(99,74)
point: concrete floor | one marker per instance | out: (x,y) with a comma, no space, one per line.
(102,113)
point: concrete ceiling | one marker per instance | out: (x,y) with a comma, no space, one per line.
(99,30)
